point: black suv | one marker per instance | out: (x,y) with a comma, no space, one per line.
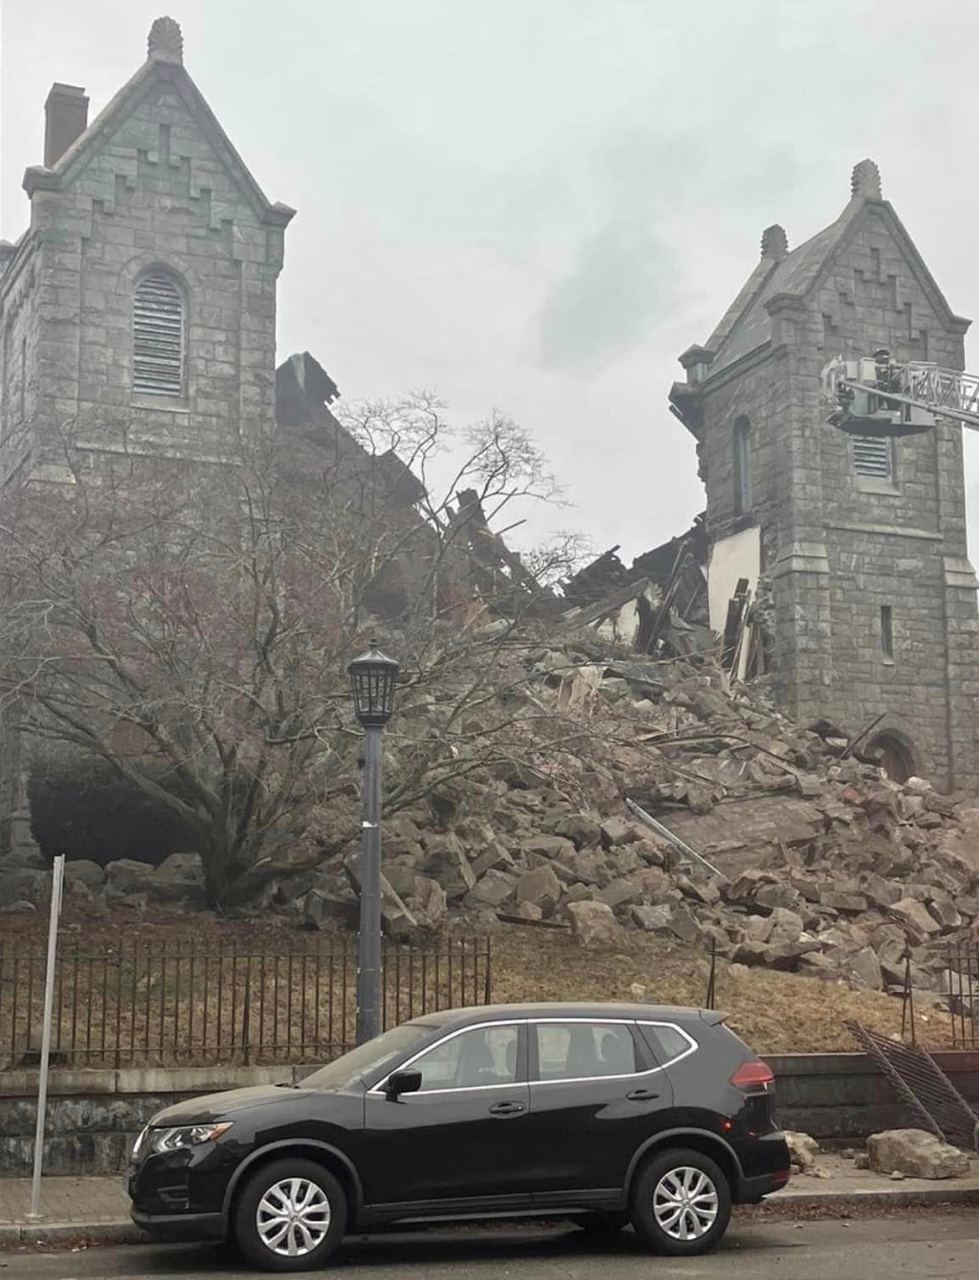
(606,1113)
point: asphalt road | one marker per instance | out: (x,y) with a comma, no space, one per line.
(930,1246)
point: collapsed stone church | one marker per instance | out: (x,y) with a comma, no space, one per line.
(140,305)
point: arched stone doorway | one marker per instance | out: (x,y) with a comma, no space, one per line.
(895,755)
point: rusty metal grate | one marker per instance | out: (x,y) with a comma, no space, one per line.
(922,1084)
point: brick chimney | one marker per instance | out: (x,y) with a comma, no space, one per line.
(66,117)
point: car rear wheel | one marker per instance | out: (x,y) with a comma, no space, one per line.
(291,1216)
(681,1203)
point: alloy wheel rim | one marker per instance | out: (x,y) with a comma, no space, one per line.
(685,1204)
(293,1217)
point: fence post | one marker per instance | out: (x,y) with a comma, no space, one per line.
(57,879)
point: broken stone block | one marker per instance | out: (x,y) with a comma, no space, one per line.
(815,964)
(652,919)
(495,857)
(848,903)
(753,954)
(495,888)
(787,926)
(743,890)
(428,903)
(866,969)
(944,911)
(583,830)
(917,920)
(401,878)
(787,956)
(651,854)
(777,895)
(541,887)
(624,861)
(916,1153)
(84,871)
(803,1150)
(621,893)
(126,875)
(550,847)
(878,891)
(593,924)
(528,911)
(616,831)
(759,928)
(705,892)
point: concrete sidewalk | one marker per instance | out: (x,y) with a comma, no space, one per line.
(72,1207)
(97,1208)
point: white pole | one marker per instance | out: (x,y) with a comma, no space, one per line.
(57,880)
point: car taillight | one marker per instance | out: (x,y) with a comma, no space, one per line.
(754,1076)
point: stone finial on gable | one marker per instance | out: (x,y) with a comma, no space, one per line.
(166,41)
(865,181)
(774,243)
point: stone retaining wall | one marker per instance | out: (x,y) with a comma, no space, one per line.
(93,1116)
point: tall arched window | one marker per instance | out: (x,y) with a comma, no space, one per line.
(742,466)
(159,323)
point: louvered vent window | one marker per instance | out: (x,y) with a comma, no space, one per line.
(873,456)
(158,337)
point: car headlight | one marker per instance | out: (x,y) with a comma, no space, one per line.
(191,1135)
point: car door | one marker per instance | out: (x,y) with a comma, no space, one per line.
(596,1095)
(460,1137)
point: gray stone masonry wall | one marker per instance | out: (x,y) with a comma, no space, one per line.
(152,184)
(839,546)
(156,192)
(94,1116)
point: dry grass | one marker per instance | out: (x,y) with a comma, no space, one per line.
(774,1012)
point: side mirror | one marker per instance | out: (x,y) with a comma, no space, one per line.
(399,1082)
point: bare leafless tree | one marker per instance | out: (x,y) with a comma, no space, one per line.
(191,625)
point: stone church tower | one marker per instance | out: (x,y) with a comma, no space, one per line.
(138,309)
(854,548)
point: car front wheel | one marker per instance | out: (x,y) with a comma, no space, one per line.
(681,1203)
(291,1216)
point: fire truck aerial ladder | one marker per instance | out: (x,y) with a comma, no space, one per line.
(877,396)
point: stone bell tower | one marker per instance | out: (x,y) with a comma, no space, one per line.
(856,547)
(137,311)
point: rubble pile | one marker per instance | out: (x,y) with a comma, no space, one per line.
(818,863)
(775,844)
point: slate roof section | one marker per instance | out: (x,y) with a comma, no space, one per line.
(155,69)
(747,325)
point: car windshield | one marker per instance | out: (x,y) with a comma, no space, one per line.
(379,1052)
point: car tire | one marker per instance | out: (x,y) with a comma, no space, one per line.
(681,1203)
(290,1204)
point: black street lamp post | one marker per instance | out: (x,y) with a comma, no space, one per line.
(372,678)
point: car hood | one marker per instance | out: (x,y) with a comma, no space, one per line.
(214,1107)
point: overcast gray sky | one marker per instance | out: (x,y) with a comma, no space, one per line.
(537,204)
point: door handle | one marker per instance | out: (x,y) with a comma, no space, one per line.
(506,1108)
(642,1095)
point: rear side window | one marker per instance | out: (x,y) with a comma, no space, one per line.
(584,1050)
(668,1043)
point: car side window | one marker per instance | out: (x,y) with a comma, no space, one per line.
(666,1042)
(583,1050)
(473,1059)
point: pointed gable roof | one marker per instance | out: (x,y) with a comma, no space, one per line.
(164,64)
(747,325)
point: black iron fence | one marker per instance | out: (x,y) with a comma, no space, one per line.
(192,1002)
(961,979)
